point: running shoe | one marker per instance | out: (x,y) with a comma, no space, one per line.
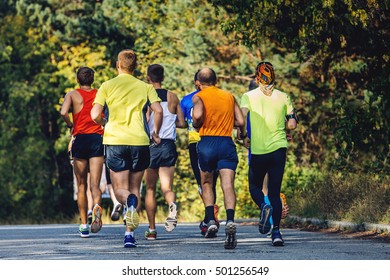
(84,231)
(203,228)
(277,239)
(116,212)
(212,230)
(129,241)
(171,221)
(265,215)
(230,231)
(216,211)
(96,225)
(132,218)
(89,217)
(285,207)
(150,234)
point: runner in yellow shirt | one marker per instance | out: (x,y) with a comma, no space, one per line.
(126,134)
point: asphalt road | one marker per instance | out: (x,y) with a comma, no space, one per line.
(62,242)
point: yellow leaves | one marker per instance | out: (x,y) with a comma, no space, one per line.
(343,41)
(360,16)
(70,58)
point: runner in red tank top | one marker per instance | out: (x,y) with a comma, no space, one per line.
(82,121)
(87,148)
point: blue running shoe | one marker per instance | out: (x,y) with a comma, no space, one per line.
(265,215)
(277,239)
(132,217)
(84,231)
(129,241)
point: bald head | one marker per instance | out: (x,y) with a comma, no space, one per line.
(207,76)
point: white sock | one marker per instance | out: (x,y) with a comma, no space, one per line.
(129,233)
(152,229)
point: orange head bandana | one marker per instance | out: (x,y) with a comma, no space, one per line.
(265,74)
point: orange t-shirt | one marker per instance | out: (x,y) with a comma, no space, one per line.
(83,123)
(218,112)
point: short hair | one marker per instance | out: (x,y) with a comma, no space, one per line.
(85,76)
(127,60)
(207,76)
(156,73)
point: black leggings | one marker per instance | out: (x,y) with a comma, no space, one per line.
(273,164)
(195,169)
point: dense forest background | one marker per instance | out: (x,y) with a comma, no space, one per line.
(332,57)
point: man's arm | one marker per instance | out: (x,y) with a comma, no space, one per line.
(238,117)
(197,112)
(96,114)
(243,135)
(65,109)
(292,120)
(180,122)
(158,118)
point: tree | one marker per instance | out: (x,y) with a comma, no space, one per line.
(343,48)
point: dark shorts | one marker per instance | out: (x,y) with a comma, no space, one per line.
(216,153)
(122,157)
(86,146)
(163,155)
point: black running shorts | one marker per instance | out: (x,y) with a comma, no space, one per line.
(86,146)
(163,154)
(122,157)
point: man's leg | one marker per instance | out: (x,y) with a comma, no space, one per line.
(80,167)
(275,174)
(166,182)
(89,199)
(227,183)
(151,177)
(95,171)
(258,169)
(208,194)
(208,200)
(275,181)
(120,183)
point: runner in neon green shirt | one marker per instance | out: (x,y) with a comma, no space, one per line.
(269,108)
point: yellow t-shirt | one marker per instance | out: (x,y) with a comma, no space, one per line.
(267,119)
(219,112)
(127,99)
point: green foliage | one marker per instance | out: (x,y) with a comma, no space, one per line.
(360,198)
(343,77)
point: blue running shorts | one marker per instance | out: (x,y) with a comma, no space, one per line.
(216,153)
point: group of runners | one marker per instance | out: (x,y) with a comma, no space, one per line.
(130,126)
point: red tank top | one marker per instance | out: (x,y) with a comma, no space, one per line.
(83,123)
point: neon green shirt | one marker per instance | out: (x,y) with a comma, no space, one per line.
(267,119)
(127,99)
